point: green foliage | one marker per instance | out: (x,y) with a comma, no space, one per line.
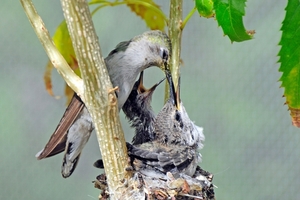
(148,10)
(290,55)
(205,8)
(62,41)
(229,14)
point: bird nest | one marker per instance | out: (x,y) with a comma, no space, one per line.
(183,187)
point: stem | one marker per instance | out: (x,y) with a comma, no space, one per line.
(99,95)
(58,61)
(187,18)
(175,33)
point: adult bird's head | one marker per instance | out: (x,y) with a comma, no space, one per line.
(129,58)
(163,44)
(156,48)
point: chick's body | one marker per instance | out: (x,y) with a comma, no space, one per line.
(176,144)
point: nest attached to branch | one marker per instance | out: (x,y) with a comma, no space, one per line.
(184,187)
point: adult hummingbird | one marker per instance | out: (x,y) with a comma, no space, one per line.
(124,63)
(176,144)
(139,112)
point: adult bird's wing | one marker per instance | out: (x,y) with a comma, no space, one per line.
(57,141)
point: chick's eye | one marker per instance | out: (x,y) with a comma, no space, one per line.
(164,54)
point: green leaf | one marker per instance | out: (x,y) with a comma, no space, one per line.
(205,8)
(63,43)
(290,58)
(229,14)
(149,12)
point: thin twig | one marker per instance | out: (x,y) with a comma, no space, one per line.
(58,61)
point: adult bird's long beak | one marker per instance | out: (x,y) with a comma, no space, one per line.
(166,66)
(173,96)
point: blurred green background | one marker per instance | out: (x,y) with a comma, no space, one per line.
(231,90)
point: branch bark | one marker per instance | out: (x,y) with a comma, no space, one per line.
(98,92)
(95,89)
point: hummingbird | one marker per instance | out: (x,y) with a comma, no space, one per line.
(139,112)
(176,145)
(124,63)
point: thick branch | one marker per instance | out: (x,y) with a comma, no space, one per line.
(99,95)
(97,92)
(58,61)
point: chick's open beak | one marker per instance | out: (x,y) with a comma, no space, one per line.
(178,95)
(141,87)
(150,90)
(146,92)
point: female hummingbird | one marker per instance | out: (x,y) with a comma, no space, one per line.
(124,63)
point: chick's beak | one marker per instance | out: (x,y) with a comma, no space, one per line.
(141,87)
(151,90)
(147,92)
(178,95)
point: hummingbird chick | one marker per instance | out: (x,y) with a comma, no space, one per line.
(124,63)
(173,125)
(176,144)
(139,112)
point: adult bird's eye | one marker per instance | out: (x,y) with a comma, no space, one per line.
(164,54)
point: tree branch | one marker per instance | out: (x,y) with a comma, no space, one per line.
(58,61)
(98,92)
(175,33)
